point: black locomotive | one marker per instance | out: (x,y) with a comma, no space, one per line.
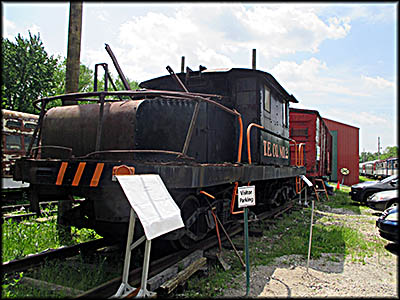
(230,127)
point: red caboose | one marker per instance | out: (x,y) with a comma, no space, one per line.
(307,126)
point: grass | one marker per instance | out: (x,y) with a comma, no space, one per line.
(342,200)
(363,179)
(29,237)
(291,236)
(288,236)
(79,275)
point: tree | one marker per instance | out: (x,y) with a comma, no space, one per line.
(27,72)
(85,78)
(389,152)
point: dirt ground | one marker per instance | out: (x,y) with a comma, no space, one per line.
(331,275)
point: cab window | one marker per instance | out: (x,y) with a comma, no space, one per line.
(13,124)
(13,142)
(29,125)
(267,98)
(284,114)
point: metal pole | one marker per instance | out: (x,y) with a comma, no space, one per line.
(100,123)
(145,271)
(246,244)
(305,196)
(254,59)
(127,261)
(183,65)
(300,195)
(311,226)
(116,65)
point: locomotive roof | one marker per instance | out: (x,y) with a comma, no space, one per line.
(305,111)
(17,114)
(266,75)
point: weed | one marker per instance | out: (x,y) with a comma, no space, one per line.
(290,235)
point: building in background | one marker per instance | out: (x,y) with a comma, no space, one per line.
(345,144)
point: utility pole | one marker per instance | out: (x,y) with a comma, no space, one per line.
(74,49)
(379,148)
(71,86)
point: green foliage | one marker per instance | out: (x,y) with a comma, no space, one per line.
(27,72)
(21,239)
(28,237)
(85,78)
(389,152)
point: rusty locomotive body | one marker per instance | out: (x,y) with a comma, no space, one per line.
(229,129)
(17,131)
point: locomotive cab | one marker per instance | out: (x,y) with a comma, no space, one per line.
(256,95)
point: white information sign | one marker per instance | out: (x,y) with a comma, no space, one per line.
(309,183)
(152,203)
(246,196)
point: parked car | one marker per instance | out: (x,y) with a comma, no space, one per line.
(388,224)
(383,200)
(361,191)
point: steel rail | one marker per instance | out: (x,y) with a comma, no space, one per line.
(20,217)
(25,263)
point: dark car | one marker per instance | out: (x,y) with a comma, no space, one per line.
(361,191)
(383,200)
(388,224)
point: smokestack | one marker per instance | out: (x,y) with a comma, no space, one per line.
(254,60)
(183,65)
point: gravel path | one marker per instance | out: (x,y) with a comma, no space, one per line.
(331,275)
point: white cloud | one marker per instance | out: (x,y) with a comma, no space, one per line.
(281,29)
(215,35)
(34,29)
(373,13)
(378,82)
(313,77)
(8,28)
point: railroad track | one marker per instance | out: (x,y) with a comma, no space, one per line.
(109,288)
(14,211)
(35,260)
(26,206)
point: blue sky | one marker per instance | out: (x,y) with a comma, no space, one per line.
(337,58)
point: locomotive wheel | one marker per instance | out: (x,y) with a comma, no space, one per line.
(188,207)
(280,197)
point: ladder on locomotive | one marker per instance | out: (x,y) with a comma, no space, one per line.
(317,188)
(299,161)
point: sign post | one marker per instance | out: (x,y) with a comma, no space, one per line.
(309,184)
(344,172)
(247,197)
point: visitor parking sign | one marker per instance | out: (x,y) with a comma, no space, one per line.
(247,196)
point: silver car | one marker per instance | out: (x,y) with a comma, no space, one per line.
(383,200)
